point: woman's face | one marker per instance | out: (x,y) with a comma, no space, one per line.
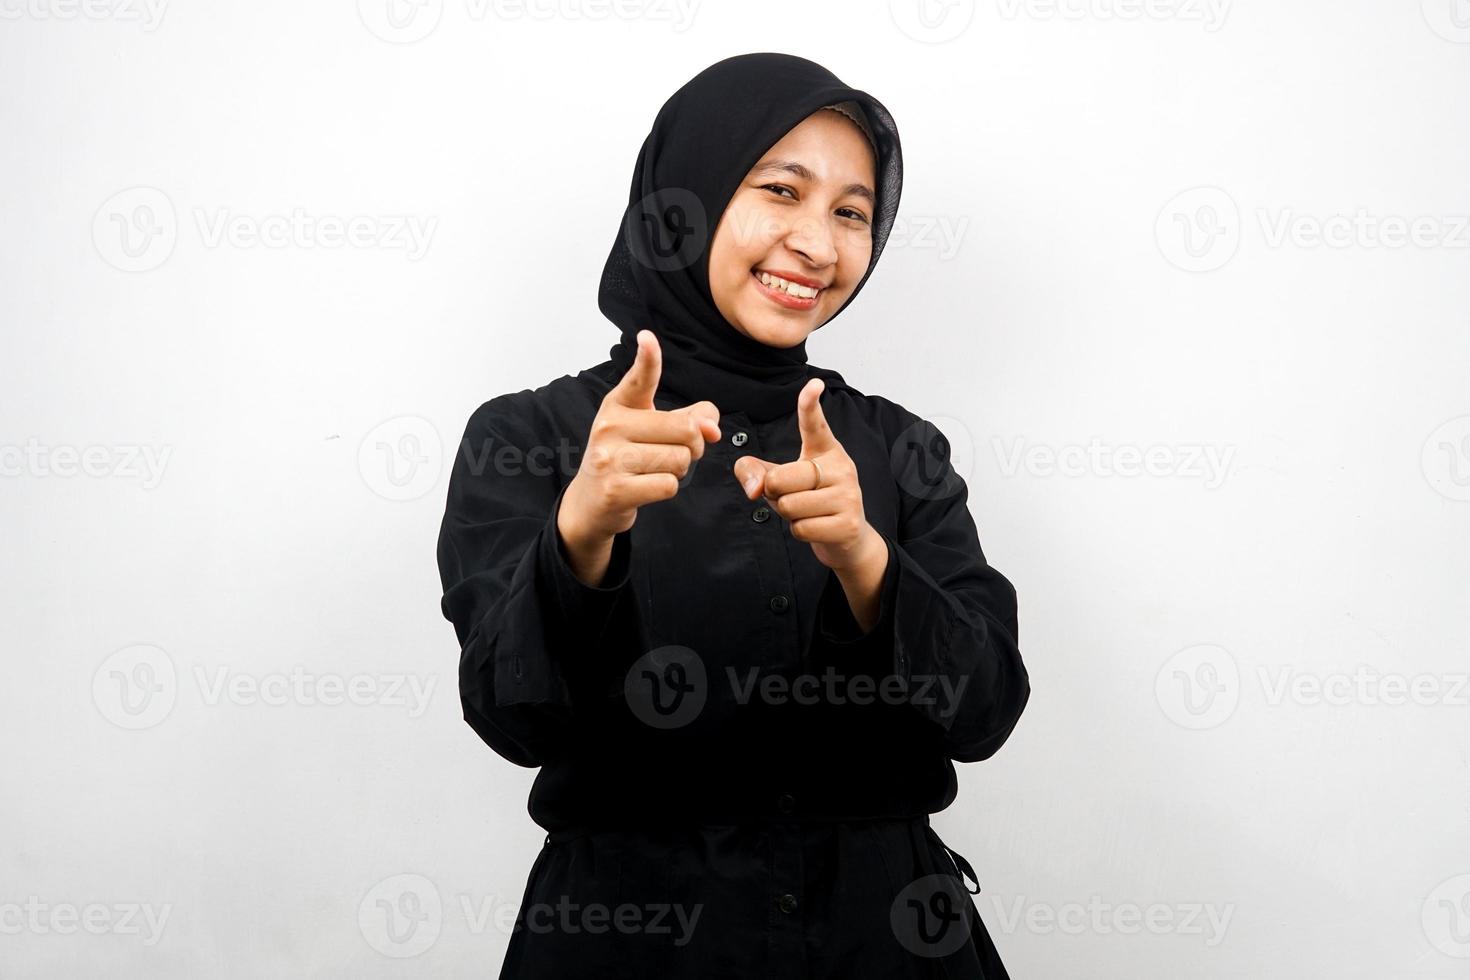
(804,213)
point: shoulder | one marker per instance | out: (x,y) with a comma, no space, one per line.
(880,413)
(559,406)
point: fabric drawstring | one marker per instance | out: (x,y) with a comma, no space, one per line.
(962,866)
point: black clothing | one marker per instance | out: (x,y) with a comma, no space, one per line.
(704,589)
(714,730)
(704,141)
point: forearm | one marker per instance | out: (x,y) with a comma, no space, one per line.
(588,557)
(862,581)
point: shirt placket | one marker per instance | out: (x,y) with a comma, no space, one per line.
(784,896)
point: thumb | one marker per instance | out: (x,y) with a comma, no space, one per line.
(639,383)
(751,472)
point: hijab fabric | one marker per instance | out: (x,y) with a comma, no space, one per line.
(704,140)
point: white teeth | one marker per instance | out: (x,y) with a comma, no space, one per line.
(793,289)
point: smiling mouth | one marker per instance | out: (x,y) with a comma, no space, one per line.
(783,292)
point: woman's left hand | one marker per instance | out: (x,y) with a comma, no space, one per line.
(830,516)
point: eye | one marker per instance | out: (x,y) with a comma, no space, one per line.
(850,213)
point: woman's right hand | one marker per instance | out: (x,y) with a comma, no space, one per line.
(636,454)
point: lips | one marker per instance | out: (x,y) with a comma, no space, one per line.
(782,298)
(795,277)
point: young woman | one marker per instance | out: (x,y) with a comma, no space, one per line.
(734,609)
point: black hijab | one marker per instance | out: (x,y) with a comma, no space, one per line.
(704,141)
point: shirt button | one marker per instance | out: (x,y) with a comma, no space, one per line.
(787,903)
(786,803)
(779,602)
(761,514)
(739,439)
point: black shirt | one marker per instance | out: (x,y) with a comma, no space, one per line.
(713,705)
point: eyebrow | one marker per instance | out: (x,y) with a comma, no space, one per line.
(800,170)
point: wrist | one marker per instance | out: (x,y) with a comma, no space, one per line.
(587,552)
(870,554)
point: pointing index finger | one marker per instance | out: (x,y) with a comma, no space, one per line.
(816,434)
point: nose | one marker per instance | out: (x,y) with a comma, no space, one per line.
(810,238)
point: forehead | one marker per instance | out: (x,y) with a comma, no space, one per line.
(827,144)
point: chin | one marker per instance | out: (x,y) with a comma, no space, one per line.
(779,334)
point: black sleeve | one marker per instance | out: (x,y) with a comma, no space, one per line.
(529,629)
(946,625)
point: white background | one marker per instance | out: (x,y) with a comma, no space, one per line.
(1246,749)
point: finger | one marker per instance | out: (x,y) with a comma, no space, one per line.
(682,428)
(708,415)
(751,472)
(646,488)
(833,529)
(797,475)
(811,503)
(643,457)
(640,382)
(816,434)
